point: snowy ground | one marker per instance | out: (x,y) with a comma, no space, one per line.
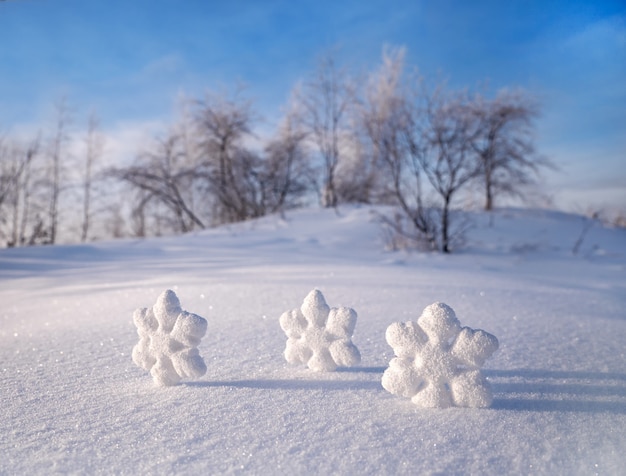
(74,402)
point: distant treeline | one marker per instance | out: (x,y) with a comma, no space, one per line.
(389,139)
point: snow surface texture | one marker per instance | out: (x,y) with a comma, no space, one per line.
(319,336)
(437,362)
(168,341)
(73,401)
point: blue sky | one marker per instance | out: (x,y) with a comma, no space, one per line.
(129,60)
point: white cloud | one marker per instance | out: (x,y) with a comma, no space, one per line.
(164,66)
(124,139)
(600,39)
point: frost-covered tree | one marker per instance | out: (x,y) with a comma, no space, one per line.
(443,141)
(210,169)
(249,177)
(165,175)
(57,158)
(11,167)
(94,144)
(324,103)
(21,193)
(223,126)
(13,163)
(384,117)
(393,122)
(424,139)
(285,174)
(444,151)
(504,144)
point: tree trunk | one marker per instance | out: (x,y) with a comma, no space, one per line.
(445,219)
(489,199)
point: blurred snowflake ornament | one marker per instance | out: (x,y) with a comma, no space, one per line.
(438,362)
(319,336)
(168,341)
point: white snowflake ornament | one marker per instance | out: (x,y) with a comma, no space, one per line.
(438,362)
(168,341)
(319,336)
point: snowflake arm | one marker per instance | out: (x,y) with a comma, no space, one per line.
(439,323)
(314,308)
(473,347)
(405,338)
(146,324)
(344,353)
(402,378)
(433,395)
(471,389)
(341,322)
(319,336)
(168,340)
(189,329)
(297,352)
(188,363)
(293,323)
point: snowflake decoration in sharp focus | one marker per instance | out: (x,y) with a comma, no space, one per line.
(437,362)
(168,340)
(319,336)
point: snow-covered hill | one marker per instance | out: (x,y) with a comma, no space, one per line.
(73,401)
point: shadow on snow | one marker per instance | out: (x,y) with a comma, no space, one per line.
(533,390)
(278,384)
(558,391)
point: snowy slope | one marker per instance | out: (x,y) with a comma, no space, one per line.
(73,401)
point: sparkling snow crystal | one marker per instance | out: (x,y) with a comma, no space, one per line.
(437,362)
(320,336)
(168,340)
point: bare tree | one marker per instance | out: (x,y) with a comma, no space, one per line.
(383,116)
(8,172)
(56,166)
(425,140)
(324,103)
(504,144)
(248,181)
(208,171)
(285,170)
(222,127)
(165,176)
(17,227)
(94,143)
(392,120)
(25,203)
(445,153)
(12,165)
(448,140)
